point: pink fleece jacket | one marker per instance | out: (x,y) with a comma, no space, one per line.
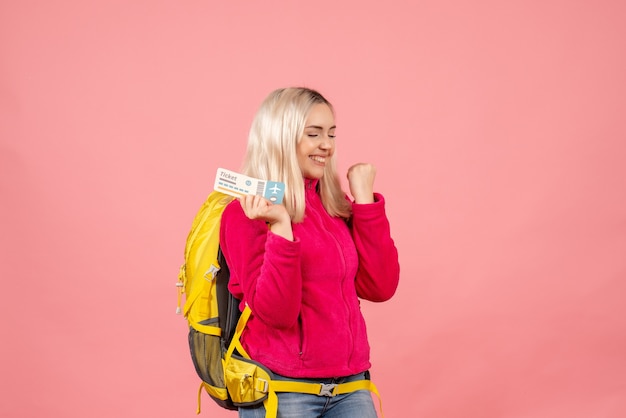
(304,294)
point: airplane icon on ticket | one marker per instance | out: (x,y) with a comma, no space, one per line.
(275,191)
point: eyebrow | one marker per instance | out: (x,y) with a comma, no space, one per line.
(320,127)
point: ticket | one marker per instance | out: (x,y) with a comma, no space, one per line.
(236,184)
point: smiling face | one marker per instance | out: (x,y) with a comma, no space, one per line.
(317,143)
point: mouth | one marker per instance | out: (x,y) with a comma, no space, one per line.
(318,159)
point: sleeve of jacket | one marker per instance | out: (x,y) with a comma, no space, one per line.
(379,270)
(264,267)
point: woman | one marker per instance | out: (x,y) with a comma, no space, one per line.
(302,265)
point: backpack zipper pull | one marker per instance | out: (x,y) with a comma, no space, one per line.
(180,284)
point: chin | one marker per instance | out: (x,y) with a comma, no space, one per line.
(314,174)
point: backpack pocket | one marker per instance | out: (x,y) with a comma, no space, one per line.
(206,355)
(248,382)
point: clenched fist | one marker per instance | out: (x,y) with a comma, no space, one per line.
(361,180)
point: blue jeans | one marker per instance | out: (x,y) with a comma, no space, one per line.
(356,404)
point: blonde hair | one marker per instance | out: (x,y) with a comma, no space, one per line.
(271,154)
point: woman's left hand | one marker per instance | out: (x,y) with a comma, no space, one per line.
(361,180)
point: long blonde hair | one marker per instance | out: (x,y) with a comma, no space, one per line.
(271,154)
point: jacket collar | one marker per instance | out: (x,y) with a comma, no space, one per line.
(310,184)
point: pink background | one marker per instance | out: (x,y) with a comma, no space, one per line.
(498,131)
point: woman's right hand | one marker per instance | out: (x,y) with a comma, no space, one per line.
(257,207)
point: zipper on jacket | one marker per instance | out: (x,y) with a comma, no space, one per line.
(328,223)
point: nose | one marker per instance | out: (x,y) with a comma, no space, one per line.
(326,142)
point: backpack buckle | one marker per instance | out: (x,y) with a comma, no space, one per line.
(262,385)
(327,389)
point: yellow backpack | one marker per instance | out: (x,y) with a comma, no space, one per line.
(228,374)
(215,322)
